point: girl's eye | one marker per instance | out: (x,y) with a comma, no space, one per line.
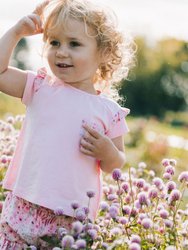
(55,43)
(74,44)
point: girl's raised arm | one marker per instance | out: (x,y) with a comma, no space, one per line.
(13,80)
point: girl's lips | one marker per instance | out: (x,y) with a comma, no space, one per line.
(63,65)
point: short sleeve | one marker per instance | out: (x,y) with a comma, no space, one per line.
(29,88)
(33,84)
(118,125)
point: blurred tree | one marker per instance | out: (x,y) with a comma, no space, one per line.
(19,58)
(158,83)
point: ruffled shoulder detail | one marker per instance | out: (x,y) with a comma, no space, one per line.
(39,79)
(120,114)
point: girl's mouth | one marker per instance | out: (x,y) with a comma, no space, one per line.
(63,65)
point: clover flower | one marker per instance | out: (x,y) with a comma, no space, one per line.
(183,176)
(75,205)
(175,195)
(134,246)
(116,174)
(135,238)
(90,194)
(164,213)
(80,244)
(80,214)
(77,227)
(147,223)
(92,233)
(113,211)
(67,241)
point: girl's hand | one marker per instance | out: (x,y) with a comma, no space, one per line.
(28,26)
(31,24)
(97,145)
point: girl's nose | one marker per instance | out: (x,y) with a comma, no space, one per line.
(62,51)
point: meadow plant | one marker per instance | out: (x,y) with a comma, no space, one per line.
(139,210)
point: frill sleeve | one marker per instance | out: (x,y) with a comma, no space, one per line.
(33,84)
(118,125)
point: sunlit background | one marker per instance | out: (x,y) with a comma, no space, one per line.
(157,89)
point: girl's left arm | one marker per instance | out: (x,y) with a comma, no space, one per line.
(110,152)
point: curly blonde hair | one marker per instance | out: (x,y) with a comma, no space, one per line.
(111,43)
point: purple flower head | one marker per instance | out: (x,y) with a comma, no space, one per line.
(170,169)
(104,206)
(59,211)
(116,174)
(56,248)
(175,195)
(77,227)
(92,233)
(142,198)
(171,185)
(90,194)
(113,211)
(168,223)
(125,186)
(126,210)
(165,162)
(153,193)
(123,220)
(135,238)
(81,244)
(133,212)
(75,205)
(112,197)
(80,214)
(183,176)
(158,182)
(167,176)
(142,165)
(140,183)
(105,245)
(67,241)
(164,213)
(134,246)
(116,231)
(86,210)
(147,223)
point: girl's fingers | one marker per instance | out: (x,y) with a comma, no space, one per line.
(92,132)
(37,22)
(86,151)
(86,145)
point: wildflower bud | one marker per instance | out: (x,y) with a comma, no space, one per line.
(170,169)
(90,194)
(175,195)
(170,248)
(158,182)
(115,231)
(116,174)
(147,223)
(80,244)
(168,223)
(77,227)
(123,220)
(140,183)
(67,241)
(80,214)
(173,162)
(126,210)
(134,246)
(135,238)
(104,206)
(142,165)
(164,213)
(167,176)
(113,211)
(142,198)
(171,185)
(92,233)
(183,176)
(152,193)
(165,162)
(32,248)
(75,205)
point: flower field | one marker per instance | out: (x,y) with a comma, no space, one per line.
(141,208)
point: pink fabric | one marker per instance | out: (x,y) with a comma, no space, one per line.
(48,168)
(23,223)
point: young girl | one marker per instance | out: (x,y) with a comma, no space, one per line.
(71,130)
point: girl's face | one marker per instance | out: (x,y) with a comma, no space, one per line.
(73,55)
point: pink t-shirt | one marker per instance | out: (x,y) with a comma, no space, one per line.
(48,168)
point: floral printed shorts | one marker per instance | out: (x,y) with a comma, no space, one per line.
(23,223)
